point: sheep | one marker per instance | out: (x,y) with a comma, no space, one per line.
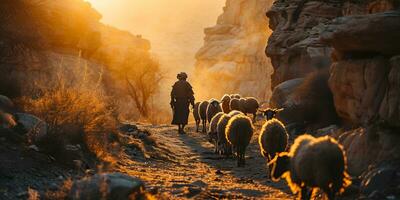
(251,106)
(203,114)
(242,105)
(235,96)
(273,139)
(213,108)
(223,146)
(234,104)
(212,132)
(225,100)
(234,113)
(238,133)
(270,113)
(313,162)
(196,115)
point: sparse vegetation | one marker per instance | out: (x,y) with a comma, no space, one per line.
(143,76)
(75,114)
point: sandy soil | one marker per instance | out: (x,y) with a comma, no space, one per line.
(184,166)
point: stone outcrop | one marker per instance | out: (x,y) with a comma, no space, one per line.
(364,77)
(62,36)
(294,46)
(232,58)
(359,42)
(357,39)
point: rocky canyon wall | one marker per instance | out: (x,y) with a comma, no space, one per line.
(232,59)
(39,40)
(358,43)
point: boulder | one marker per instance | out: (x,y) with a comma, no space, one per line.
(358,87)
(366,147)
(281,93)
(34,127)
(360,151)
(329,130)
(113,186)
(390,106)
(375,33)
(380,179)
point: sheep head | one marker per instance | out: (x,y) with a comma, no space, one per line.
(280,166)
(270,113)
(225,98)
(214,103)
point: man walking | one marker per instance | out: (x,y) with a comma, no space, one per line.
(181,97)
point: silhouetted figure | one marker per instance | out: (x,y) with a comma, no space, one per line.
(181,97)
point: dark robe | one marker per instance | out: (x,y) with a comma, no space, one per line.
(181,98)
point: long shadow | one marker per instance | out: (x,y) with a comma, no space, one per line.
(255,169)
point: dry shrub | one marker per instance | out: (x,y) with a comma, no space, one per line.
(76,111)
(74,116)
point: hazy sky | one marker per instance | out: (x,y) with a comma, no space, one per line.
(174,27)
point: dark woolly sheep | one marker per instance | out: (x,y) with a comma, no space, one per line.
(242,105)
(238,133)
(234,113)
(251,106)
(213,108)
(223,146)
(234,104)
(273,139)
(212,131)
(196,115)
(203,114)
(315,163)
(226,99)
(235,96)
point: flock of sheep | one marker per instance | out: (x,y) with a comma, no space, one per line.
(309,163)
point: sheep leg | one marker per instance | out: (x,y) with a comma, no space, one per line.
(329,193)
(238,156)
(269,168)
(305,193)
(243,154)
(215,146)
(197,126)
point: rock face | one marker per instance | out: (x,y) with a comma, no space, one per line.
(62,36)
(232,58)
(363,81)
(359,42)
(294,46)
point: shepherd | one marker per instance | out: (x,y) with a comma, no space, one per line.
(182,96)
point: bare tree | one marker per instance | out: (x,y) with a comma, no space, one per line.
(142,75)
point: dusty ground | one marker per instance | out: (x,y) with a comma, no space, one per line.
(188,168)
(173,167)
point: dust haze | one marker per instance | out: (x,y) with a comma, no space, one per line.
(174,27)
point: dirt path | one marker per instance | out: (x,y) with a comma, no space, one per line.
(190,169)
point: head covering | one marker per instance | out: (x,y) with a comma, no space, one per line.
(182,76)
